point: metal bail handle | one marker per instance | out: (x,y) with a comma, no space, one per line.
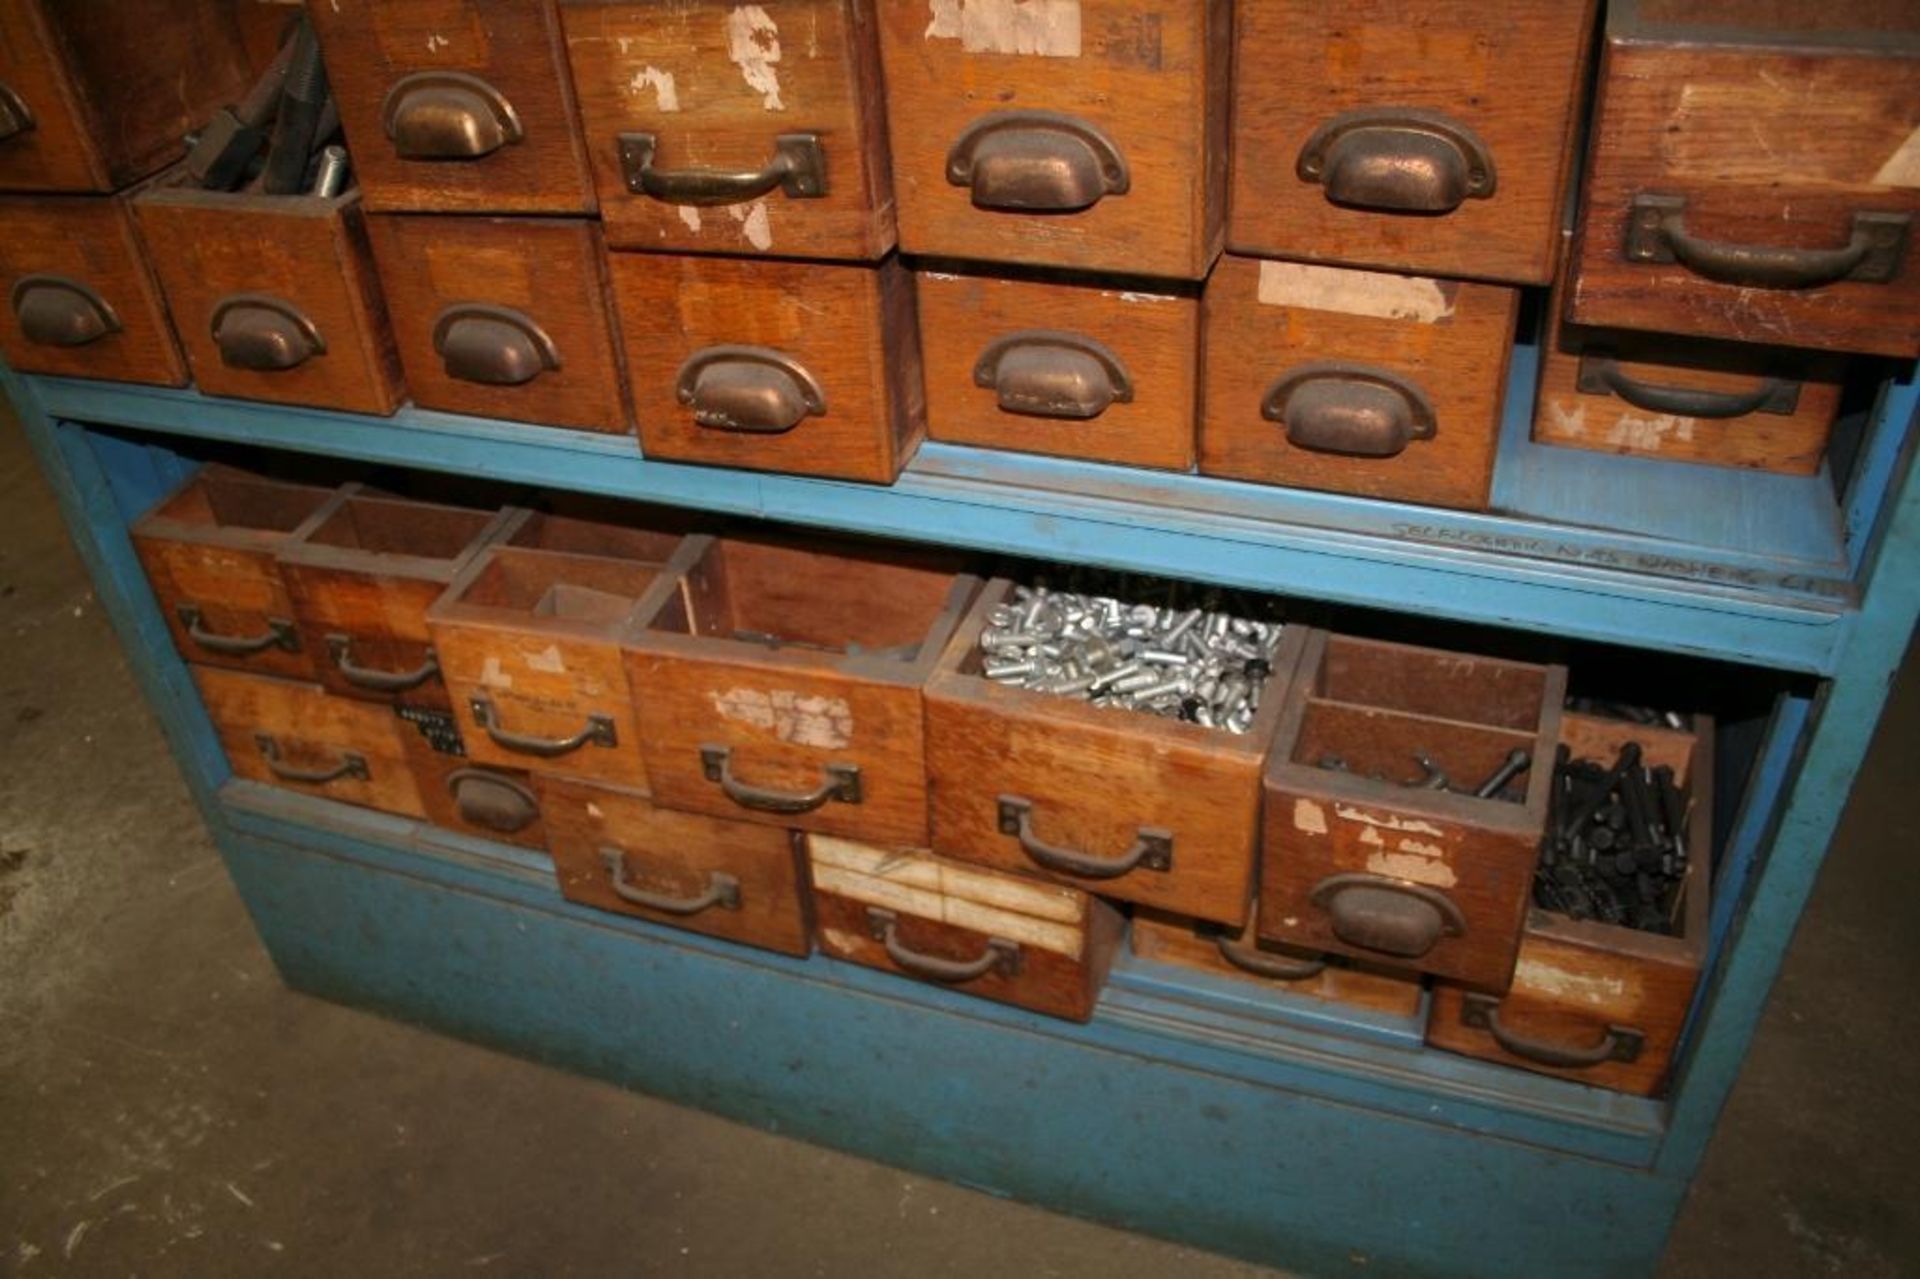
(1398,160)
(1875,247)
(1600,374)
(448,115)
(1618,1043)
(55,310)
(352,764)
(1000,954)
(599,731)
(840,783)
(798,169)
(1358,410)
(1048,373)
(1037,162)
(751,389)
(1152,847)
(1262,963)
(492,345)
(16,117)
(281,634)
(263,333)
(1387,915)
(722,890)
(340,649)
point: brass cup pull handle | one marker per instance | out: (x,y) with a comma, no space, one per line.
(340,649)
(492,345)
(448,115)
(491,801)
(1618,1043)
(1876,244)
(15,116)
(1600,374)
(1261,963)
(599,731)
(1046,373)
(1152,847)
(1387,915)
(752,389)
(798,169)
(1000,954)
(352,764)
(55,310)
(1398,160)
(1037,162)
(841,784)
(722,890)
(281,634)
(264,333)
(1335,406)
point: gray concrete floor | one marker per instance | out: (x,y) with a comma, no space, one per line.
(167,1108)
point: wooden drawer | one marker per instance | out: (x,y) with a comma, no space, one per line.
(1383,385)
(1591,1001)
(456,105)
(1433,138)
(527,636)
(779,682)
(1002,937)
(1168,812)
(274,297)
(616,850)
(1754,174)
(96,96)
(209,550)
(807,367)
(1362,860)
(1045,364)
(725,128)
(1078,133)
(459,795)
(294,735)
(362,576)
(503,317)
(80,299)
(1227,951)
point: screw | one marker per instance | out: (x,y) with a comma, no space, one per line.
(1518,758)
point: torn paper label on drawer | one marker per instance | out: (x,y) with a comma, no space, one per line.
(1043,28)
(825,723)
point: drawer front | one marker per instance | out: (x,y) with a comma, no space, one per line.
(1107,374)
(503,317)
(1436,143)
(774,366)
(80,299)
(1354,381)
(615,850)
(724,128)
(226,606)
(459,795)
(274,297)
(293,735)
(1233,952)
(57,152)
(1076,133)
(367,632)
(1757,195)
(456,105)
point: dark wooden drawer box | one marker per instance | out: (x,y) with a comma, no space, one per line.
(1125,804)
(503,317)
(1754,174)
(1591,1001)
(616,850)
(81,301)
(291,734)
(725,128)
(1105,371)
(456,105)
(1356,381)
(274,297)
(209,550)
(457,794)
(1432,137)
(808,367)
(1360,858)
(779,681)
(1002,937)
(1225,951)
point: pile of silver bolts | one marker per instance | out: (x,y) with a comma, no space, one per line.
(1193,664)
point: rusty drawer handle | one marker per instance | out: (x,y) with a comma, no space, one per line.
(1000,954)
(448,115)
(352,764)
(1152,847)
(492,345)
(722,891)
(1047,373)
(1398,160)
(752,389)
(599,731)
(1387,915)
(1266,964)
(340,648)
(798,169)
(55,310)
(1335,406)
(1876,244)
(1619,1043)
(1600,374)
(15,116)
(491,801)
(841,784)
(264,333)
(281,634)
(1037,162)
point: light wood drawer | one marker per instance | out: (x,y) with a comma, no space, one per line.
(1227,951)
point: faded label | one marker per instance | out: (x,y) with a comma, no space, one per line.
(1370,293)
(1414,867)
(1349,813)
(492,675)
(823,722)
(1042,28)
(753,45)
(754,224)
(1902,168)
(665,95)
(547,659)
(1309,817)
(690,216)
(1600,990)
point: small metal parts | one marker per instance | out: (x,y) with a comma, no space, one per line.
(277,140)
(1615,849)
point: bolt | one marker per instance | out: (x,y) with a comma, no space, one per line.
(1518,759)
(1435,779)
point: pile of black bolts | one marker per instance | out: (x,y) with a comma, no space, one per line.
(1615,849)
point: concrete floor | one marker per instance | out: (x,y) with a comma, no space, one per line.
(167,1108)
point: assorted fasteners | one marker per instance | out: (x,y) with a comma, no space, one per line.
(1615,849)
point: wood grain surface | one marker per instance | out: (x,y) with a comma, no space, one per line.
(1193,943)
